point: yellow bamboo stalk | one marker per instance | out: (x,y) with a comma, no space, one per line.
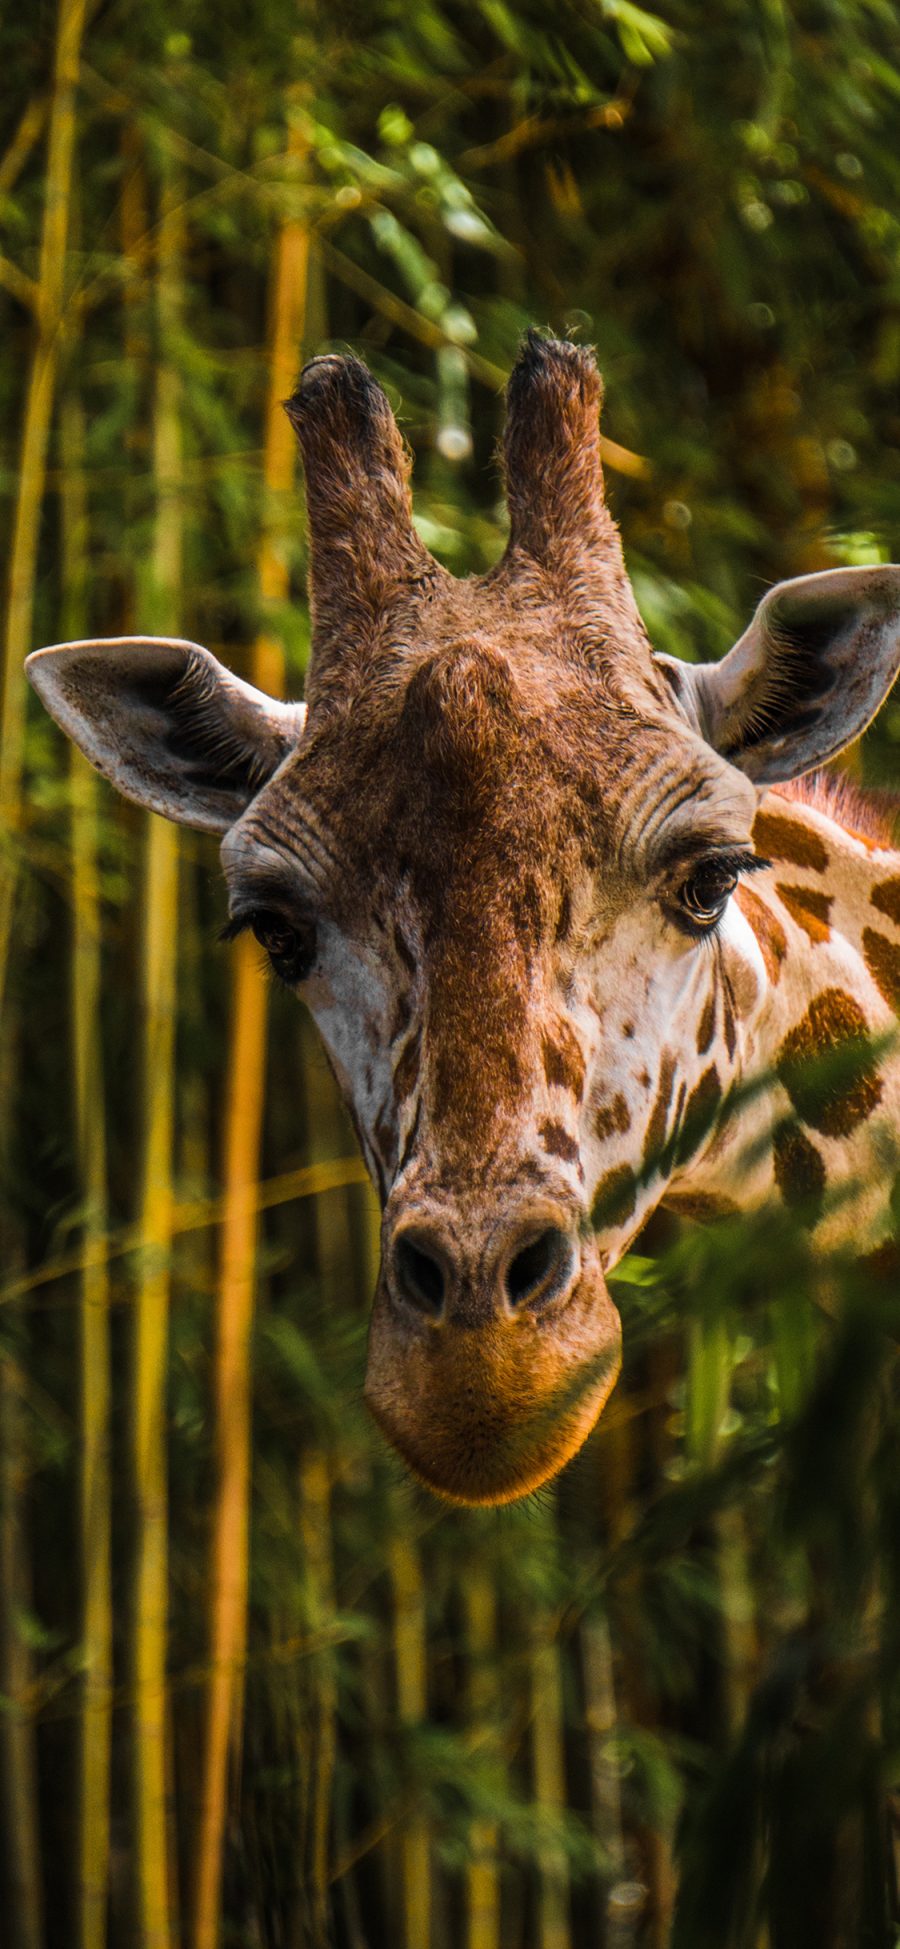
(549,1785)
(482,1879)
(90,1126)
(17,1759)
(50,298)
(410,1671)
(18,1787)
(315,1537)
(158,972)
(243,1129)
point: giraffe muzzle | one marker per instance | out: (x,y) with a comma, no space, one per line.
(534,1263)
(493,1347)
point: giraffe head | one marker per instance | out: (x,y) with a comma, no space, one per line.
(495,854)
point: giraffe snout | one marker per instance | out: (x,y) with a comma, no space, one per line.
(494,1341)
(449,1275)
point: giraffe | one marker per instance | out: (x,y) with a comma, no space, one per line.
(552,899)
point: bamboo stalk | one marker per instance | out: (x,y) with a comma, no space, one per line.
(549,1785)
(90,1126)
(17,1755)
(243,1131)
(315,1537)
(21,1868)
(409,1635)
(158,978)
(482,1878)
(50,297)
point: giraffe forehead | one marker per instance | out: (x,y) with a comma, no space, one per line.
(475,780)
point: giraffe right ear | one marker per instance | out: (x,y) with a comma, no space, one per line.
(167,724)
(805,679)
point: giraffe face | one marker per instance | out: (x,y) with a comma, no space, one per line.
(496,853)
(479,890)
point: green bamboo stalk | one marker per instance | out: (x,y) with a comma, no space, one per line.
(17,1756)
(315,1537)
(245,1098)
(479,1599)
(90,1127)
(21,1870)
(410,1676)
(158,981)
(41,383)
(549,1784)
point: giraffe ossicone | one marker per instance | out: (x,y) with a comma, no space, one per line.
(550,897)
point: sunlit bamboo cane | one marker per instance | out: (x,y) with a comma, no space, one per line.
(482,1878)
(50,299)
(158,979)
(315,1536)
(243,1128)
(17,1758)
(548,1773)
(90,1129)
(410,1669)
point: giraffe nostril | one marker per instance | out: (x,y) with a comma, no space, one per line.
(420,1276)
(540,1270)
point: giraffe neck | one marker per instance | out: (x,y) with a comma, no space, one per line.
(826,920)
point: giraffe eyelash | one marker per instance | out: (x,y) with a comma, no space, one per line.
(701,918)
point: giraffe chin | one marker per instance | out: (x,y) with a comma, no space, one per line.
(485,1412)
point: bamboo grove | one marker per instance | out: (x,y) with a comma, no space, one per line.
(256,1688)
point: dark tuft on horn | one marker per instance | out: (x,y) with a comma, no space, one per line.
(364,550)
(554,479)
(553,377)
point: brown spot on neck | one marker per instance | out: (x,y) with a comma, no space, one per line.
(810,908)
(799,1173)
(883,963)
(614,1198)
(557,1140)
(699,1114)
(706,1026)
(886,897)
(834,1027)
(701,1206)
(612,1118)
(778,838)
(728,1021)
(770,934)
(563,1060)
(655,1139)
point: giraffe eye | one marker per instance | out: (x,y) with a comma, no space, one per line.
(290,948)
(704,896)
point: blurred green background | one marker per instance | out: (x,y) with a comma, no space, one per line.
(256,1688)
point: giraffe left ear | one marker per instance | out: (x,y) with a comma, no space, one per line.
(805,679)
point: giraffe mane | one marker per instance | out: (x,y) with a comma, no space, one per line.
(872,815)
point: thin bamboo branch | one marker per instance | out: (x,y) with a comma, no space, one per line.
(90,1128)
(194,1215)
(19,284)
(243,1132)
(28,131)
